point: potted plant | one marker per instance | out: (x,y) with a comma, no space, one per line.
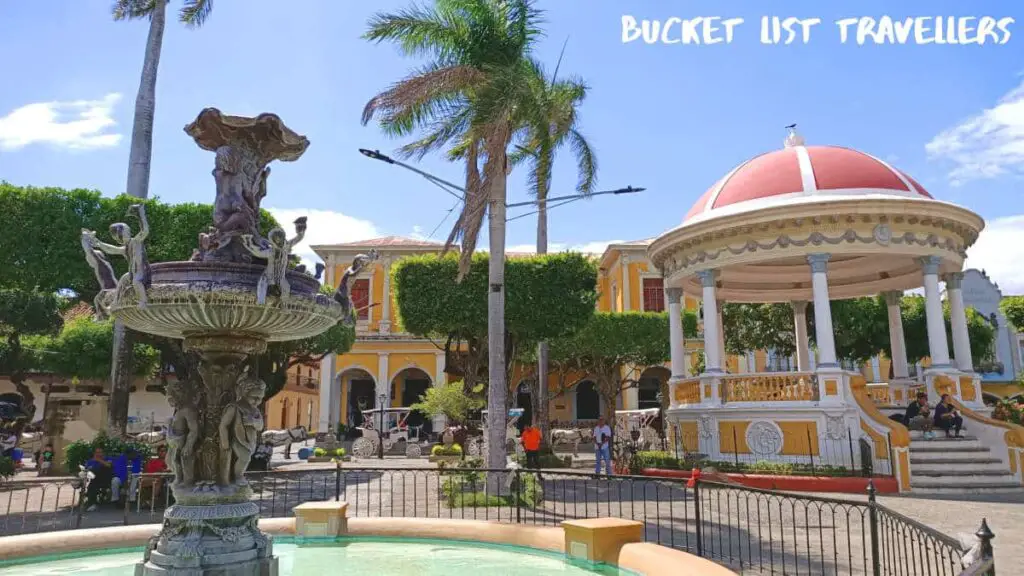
(447,454)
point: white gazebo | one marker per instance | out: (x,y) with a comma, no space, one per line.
(811,224)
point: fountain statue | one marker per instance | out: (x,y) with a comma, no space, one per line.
(233,296)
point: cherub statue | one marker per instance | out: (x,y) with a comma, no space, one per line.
(182,434)
(275,249)
(133,248)
(104,274)
(341,294)
(240,427)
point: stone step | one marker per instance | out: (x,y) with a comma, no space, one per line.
(951,443)
(955,480)
(939,466)
(940,435)
(917,448)
(929,487)
(957,472)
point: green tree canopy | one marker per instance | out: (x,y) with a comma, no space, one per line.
(612,348)
(1012,308)
(750,327)
(451,401)
(548,296)
(82,350)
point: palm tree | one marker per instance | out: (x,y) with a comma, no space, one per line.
(193,13)
(472,94)
(555,125)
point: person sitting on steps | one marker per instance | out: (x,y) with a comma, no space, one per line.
(917,416)
(948,417)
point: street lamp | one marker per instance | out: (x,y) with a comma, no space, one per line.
(381,399)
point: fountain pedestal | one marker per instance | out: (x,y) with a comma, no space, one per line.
(226,304)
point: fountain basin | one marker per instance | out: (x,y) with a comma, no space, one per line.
(435,546)
(191,299)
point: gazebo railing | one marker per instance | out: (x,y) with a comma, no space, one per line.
(775,387)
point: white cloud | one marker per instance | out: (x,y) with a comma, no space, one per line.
(323,227)
(986,145)
(596,247)
(76,125)
(1000,251)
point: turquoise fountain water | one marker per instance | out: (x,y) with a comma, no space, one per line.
(353,557)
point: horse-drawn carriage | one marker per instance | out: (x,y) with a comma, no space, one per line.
(396,431)
(637,426)
(474,445)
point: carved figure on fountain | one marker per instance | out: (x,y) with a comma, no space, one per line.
(133,248)
(240,427)
(182,434)
(341,294)
(276,250)
(104,272)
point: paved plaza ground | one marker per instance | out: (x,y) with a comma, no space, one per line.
(819,538)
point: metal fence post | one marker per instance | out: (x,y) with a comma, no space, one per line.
(81,503)
(337,481)
(735,447)
(696,516)
(876,561)
(517,481)
(810,449)
(985,535)
(127,495)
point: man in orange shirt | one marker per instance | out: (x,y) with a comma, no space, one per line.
(531,444)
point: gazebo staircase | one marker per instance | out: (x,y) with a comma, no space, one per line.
(957,466)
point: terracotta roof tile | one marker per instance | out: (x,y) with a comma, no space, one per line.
(388,241)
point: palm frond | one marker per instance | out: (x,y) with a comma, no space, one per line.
(586,162)
(422,96)
(132,9)
(195,12)
(419,31)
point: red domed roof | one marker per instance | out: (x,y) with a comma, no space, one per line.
(805,170)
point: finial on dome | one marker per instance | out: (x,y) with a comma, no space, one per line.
(794,138)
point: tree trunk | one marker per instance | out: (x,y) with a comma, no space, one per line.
(141,154)
(543,402)
(120,381)
(497,386)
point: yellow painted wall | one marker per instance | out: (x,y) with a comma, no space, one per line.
(636,292)
(733,437)
(365,361)
(297,412)
(799,438)
(604,293)
(376,295)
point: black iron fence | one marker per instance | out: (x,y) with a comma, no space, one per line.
(752,531)
(780,451)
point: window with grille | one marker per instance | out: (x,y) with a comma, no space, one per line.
(361,298)
(654,295)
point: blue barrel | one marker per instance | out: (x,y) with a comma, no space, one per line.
(305,453)
(17,454)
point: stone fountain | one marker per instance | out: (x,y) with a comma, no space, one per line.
(234,296)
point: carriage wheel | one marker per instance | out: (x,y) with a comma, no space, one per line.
(412,450)
(364,447)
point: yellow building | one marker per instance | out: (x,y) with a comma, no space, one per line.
(298,403)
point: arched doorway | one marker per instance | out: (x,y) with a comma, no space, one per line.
(408,386)
(651,382)
(524,400)
(360,389)
(588,401)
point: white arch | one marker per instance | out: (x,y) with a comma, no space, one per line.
(410,367)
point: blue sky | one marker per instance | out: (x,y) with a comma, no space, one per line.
(671,118)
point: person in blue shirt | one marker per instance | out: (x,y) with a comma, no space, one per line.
(103,478)
(948,417)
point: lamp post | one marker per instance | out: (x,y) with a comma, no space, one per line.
(381,399)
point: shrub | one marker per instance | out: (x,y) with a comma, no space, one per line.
(1009,411)
(6,467)
(441,450)
(340,452)
(319,452)
(665,461)
(78,453)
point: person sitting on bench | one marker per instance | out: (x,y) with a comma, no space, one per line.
(103,480)
(948,417)
(917,416)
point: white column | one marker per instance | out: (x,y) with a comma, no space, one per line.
(627,304)
(723,359)
(329,272)
(712,362)
(675,332)
(938,348)
(385,314)
(803,345)
(822,310)
(958,322)
(439,380)
(328,401)
(383,379)
(876,370)
(897,343)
